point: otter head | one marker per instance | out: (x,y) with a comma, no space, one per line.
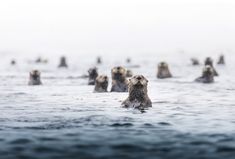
(35,77)
(208,61)
(93,73)
(195,61)
(163,65)
(101,83)
(138,81)
(119,73)
(129,73)
(63,62)
(163,70)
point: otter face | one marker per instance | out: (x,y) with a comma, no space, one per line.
(92,75)
(208,71)
(63,62)
(163,70)
(118,73)
(138,80)
(35,77)
(101,83)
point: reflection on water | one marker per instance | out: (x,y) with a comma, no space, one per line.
(64,119)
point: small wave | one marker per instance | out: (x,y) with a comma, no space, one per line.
(121,125)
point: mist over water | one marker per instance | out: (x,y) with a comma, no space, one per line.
(63,118)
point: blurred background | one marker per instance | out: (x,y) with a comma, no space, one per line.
(56,27)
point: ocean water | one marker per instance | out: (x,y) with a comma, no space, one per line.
(64,119)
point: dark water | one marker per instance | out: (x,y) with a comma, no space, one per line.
(64,119)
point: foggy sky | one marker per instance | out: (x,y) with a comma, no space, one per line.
(76,26)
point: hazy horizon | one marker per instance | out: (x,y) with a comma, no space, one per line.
(134,26)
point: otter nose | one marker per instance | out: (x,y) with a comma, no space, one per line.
(118,68)
(138,78)
(105,77)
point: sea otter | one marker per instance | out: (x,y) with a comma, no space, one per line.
(207,75)
(221,60)
(119,81)
(138,93)
(35,78)
(209,62)
(101,83)
(63,62)
(40,60)
(129,73)
(128,60)
(93,74)
(163,71)
(195,61)
(98,60)
(13,62)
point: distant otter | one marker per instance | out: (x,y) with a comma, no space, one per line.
(101,83)
(128,60)
(13,62)
(99,60)
(40,60)
(35,78)
(93,74)
(129,73)
(209,62)
(119,81)
(138,93)
(195,61)
(207,75)
(63,62)
(221,60)
(163,71)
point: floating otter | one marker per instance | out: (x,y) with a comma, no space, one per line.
(98,60)
(119,81)
(35,78)
(93,74)
(128,60)
(101,83)
(207,75)
(129,73)
(163,71)
(209,62)
(138,93)
(195,61)
(63,62)
(40,60)
(221,60)
(13,62)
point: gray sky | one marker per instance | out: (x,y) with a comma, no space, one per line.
(61,26)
